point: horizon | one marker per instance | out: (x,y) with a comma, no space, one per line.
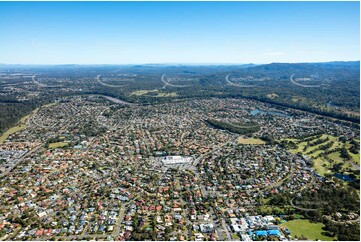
(124,33)
(180,64)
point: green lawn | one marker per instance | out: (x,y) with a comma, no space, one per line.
(311,231)
(160,94)
(57,145)
(143,92)
(235,236)
(250,141)
(272,95)
(167,94)
(270,209)
(335,156)
(318,165)
(355,157)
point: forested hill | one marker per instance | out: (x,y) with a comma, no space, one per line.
(288,67)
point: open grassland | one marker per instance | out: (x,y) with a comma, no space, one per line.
(272,95)
(11,131)
(250,141)
(235,236)
(153,93)
(303,227)
(142,92)
(57,145)
(355,157)
(322,166)
(271,209)
(167,94)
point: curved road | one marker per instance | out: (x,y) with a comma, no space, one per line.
(301,85)
(235,84)
(108,85)
(40,84)
(171,85)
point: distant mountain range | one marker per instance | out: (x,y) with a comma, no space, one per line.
(275,65)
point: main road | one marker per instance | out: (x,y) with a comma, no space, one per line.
(301,85)
(108,85)
(171,85)
(235,84)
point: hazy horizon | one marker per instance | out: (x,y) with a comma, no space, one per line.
(170,63)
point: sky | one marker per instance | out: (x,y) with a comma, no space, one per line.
(178,32)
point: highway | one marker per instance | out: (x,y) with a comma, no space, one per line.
(42,85)
(301,85)
(171,85)
(235,84)
(108,85)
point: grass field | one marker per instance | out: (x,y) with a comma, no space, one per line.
(11,131)
(142,92)
(271,208)
(272,95)
(48,105)
(57,145)
(311,231)
(167,94)
(160,94)
(355,157)
(235,236)
(250,141)
(335,156)
(322,166)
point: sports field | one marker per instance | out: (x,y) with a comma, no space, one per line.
(303,227)
(250,141)
(57,145)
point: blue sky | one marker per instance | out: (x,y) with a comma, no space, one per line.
(178,32)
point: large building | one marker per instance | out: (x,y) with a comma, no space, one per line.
(174,160)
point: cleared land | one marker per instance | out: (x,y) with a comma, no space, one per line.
(167,94)
(153,93)
(142,92)
(11,131)
(250,141)
(303,227)
(57,145)
(272,95)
